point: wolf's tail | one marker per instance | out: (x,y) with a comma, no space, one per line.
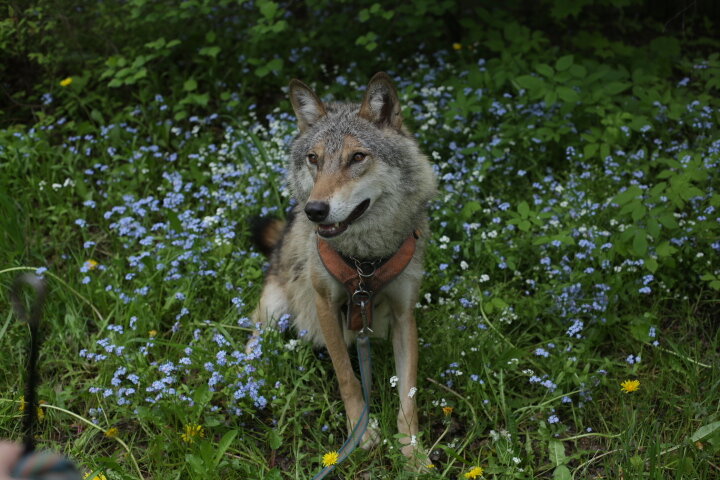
(266,232)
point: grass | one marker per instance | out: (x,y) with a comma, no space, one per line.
(528,323)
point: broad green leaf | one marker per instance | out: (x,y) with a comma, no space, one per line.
(190,84)
(210,51)
(545,69)
(614,88)
(224,444)
(665,249)
(563,63)
(567,94)
(640,243)
(704,431)
(561,472)
(624,197)
(523,209)
(274,439)
(557,452)
(651,264)
(530,82)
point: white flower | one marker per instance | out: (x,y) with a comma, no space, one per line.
(464,265)
(484,278)
(413,440)
(292,344)
(412,392)
(393,381)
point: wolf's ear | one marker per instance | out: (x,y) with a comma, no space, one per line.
(381,104)
(307,106)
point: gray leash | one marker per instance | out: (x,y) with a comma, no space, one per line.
(363,348)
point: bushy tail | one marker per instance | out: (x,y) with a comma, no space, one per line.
(266,232)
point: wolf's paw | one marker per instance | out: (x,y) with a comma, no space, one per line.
(371,436)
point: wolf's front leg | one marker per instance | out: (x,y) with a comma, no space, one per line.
(405,349)
(350,389)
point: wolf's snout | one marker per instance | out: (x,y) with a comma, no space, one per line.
(317,211)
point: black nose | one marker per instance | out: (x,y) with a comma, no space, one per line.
(317,211)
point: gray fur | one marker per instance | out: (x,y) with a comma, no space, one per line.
(382,228)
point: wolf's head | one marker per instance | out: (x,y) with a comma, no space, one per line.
(354,166)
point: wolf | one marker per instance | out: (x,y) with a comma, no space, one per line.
(362,188)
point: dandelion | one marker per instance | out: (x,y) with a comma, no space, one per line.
(40,411)
(430,466)
(447,411)
(457,46)
(99,476)
(629,386)
(112,432)
(91,264)
(474,473)
(152,333)
(192,430)
(330,458)
(66,81)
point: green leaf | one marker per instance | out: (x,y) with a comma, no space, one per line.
(274,439)
(668,220)
(624,197)
(550,98)
(640,244)
(267,8)
(665,249)
(545,69)
(563,63)
(561,472)
(651,264)
(704,431)
(638,212)
(578,71)
(224,444)
(567,94)
(557,452)
(530,82)
(210,51)
(190,85)
(523,209)
(614,88)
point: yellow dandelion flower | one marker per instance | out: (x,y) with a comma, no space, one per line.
(457,46)
(330,458)
(192,430)
(447,411)
(40,411)
(152,333)
(65,82)
(629,386)
(112,432)
(430,466)
(474,473)
(91,264)
(99,476)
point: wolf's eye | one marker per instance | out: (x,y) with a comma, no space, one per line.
(312,158)
(358,157)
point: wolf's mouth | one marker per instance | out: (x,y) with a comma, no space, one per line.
(328,230)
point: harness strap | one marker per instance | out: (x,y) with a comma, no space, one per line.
(355,278)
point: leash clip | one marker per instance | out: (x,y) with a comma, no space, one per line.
(365,330)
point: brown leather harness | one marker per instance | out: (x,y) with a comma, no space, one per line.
(363,279)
